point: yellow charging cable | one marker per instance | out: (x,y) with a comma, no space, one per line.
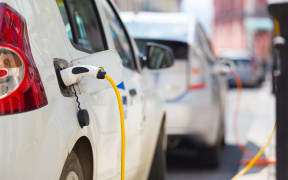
(258,155)
(120,104)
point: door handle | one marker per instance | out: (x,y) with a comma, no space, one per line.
(132,92)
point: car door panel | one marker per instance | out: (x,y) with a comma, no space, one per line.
(213,88)
(110,61)
(134,113)
(154,114)
(97,96)
(135,100)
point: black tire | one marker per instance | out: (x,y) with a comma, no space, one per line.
(158,169)
(223,140)
(72,168)
(259,83)
(212,156)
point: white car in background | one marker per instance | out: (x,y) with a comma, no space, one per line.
(194,88)
(40,135)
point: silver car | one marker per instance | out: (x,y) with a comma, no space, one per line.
(250,71)
(193,88)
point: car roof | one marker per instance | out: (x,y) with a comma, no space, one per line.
(161,26)
(236,54)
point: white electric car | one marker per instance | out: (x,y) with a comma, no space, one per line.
(194,88)
(40,134)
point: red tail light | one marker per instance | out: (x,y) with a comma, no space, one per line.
(21,88)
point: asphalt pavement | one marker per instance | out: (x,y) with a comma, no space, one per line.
(256,118)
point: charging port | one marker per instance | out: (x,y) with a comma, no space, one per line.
(59,65)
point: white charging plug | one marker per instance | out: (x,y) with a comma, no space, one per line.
(71,75)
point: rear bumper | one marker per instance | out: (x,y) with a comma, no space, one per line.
(23,154)
(193,118)
(247,79)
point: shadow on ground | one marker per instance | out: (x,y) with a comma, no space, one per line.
(254,149)
(187,165)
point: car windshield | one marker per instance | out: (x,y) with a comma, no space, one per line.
(241,61)
(179,49)
(163,31)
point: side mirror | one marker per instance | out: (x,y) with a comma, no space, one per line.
(158,56)
(224,67)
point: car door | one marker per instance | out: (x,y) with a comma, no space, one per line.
(213,90)
(134,101)
(145,107)
(88,43)
(214,78)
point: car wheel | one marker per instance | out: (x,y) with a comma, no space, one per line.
(223,141)
(158,169)
(212,155)
(72,169)
(215,156)
(258,84)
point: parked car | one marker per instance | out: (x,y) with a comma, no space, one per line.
(193,88)
(40,135)
(250,71)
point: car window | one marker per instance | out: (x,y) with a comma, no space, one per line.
(120,37)
(202,39)
(240,61)
(160,30)
(82,24)
(205,45)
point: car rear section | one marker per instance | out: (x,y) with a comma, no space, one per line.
(188,87)
(188,94)
(187,113)
(245,68)
(33,112)
(250,71)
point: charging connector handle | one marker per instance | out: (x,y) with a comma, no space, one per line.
(71,75)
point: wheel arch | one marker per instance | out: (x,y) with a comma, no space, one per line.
(164,132)
(84,151)
(163,123)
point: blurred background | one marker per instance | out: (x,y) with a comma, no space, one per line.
(230,25)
